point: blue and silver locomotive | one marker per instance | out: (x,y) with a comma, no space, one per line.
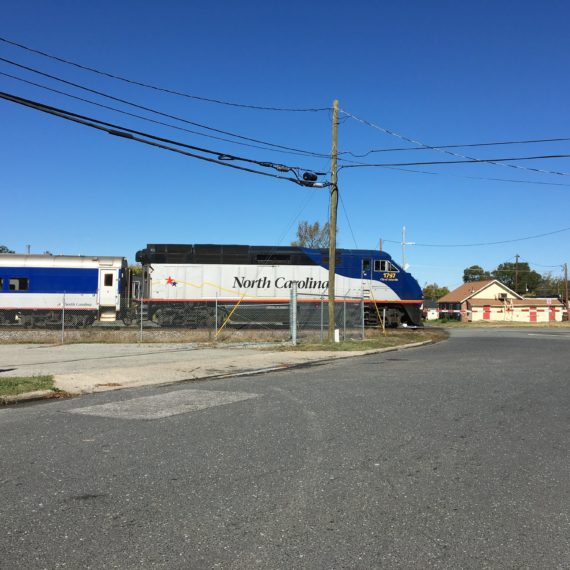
(176,277)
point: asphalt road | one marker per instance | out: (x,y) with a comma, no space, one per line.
(447,456)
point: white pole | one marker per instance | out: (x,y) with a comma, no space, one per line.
(293,313)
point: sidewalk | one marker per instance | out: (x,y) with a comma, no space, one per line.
(86,368)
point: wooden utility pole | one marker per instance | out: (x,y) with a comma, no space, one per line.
(332,221)
(517,273)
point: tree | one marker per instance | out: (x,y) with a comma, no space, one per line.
(312,235)
(550,286)
(4,249)
(475,273)
(518,276)
(136,269)
(433,292)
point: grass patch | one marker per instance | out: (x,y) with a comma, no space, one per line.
(13,385)
(376,340)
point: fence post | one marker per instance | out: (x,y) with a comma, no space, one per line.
(63,318)
(344,320)
(362,316)
(141,328)
(293,313)
(322,320)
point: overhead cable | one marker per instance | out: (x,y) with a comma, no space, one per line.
(439,149)
(439,146)
(148,119)
(483,243)
(468,161)
(151,110)
(132,135)
(157,88)
(484,178)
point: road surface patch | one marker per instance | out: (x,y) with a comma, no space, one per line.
(164,405)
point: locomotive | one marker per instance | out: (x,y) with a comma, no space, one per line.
(199,285)
(178,277)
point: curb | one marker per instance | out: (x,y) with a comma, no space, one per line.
(26,397)
(281,367)
(55,394)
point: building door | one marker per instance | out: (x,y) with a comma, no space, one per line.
(551,313)
(533,314)
(487,312)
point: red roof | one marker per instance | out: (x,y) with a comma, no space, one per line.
(465,291)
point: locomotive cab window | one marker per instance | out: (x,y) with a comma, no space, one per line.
(19,284)
(382,265)
(1,283)
(108,280)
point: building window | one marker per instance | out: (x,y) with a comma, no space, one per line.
(19,284)
(108,279)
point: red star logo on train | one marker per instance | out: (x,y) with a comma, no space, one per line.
(171,281)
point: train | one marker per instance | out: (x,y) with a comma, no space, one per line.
(195,285)
(36,290)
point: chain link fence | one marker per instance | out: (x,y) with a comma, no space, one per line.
(299,319)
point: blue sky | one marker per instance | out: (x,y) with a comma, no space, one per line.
(438,72)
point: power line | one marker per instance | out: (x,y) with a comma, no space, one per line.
(131,135)
(347,220)
(542,264)
(513,270)
(224,156)
(142,117)
(439,149)
(440,146)
(145,119)
(162,89)
(483,243)
(170,125)
(151,110)
(469,161)
(485,178)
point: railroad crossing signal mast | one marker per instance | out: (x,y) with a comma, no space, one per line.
(332,221)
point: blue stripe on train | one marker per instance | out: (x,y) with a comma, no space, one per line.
(52,279)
